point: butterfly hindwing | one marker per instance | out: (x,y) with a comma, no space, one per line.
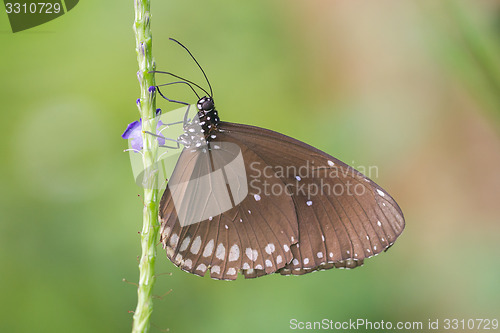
(343,216)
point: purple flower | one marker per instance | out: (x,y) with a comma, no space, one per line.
(133,132)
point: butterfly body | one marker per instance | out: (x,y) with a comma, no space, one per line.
(250,200)
(202,128)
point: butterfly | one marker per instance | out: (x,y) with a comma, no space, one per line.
(244,199)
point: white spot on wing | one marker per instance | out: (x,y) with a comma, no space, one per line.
(256,197)
(269,263)
(185,244)
(188,263)
(298,178)
(173,240)
(201,268)
(234,253)
(330,163)
(246,265)
(170,251)
(231,271)
(215,269)
(309,203)
(251,254)
(270,248)
(195,247)
(258,267)
(286,248)
(295,262)
(209,248)
(320,255)
(279,260)
(379,224)
(306,261)
(382,194)
(221,252)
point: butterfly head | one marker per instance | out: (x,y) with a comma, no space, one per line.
(206,104)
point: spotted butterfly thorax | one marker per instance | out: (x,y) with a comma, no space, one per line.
(244,199)
(206,122)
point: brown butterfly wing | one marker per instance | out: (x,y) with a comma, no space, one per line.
(292,231)
(349,219)
(253,237)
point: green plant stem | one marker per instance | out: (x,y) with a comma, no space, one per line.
(149,234)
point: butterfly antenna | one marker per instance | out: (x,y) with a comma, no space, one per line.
(180,77)
(177,82)
(199,66)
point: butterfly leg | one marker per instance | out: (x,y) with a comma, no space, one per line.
(175,123)
(177,146)
(172,147)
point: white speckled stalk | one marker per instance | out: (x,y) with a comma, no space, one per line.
(149,234)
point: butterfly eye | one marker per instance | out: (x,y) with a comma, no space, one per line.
(207,105)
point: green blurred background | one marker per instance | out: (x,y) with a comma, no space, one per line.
(411,87)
